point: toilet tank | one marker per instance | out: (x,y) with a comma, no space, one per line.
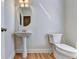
(57,38)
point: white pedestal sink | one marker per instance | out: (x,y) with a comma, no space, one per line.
(24,35)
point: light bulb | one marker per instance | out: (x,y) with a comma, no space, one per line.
(26,5)
(22,5)
(20,1)
(26,1)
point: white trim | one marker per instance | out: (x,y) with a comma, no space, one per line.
(34,51)
(19,50)
(38,50)
(12,55)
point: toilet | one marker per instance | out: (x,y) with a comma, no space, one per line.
(60,50)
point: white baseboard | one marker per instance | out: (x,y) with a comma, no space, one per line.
(12,55)
(19,50)
(39,51)
(34,50)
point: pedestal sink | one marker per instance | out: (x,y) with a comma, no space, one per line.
(24,36)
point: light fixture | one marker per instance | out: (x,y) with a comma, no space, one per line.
(24,3)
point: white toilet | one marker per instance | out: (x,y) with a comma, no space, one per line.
(60,50)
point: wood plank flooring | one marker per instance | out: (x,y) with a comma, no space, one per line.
(36,56)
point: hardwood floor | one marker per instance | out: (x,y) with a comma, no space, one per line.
(35,56)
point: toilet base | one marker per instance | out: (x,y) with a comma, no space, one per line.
(59,55)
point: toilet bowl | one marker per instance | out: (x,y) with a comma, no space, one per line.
(61,51)
(66,50)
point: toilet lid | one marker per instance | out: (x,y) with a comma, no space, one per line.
(66,48)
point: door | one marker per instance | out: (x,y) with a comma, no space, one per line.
(3,31)
(7,22)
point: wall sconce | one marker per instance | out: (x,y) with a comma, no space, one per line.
(24,3)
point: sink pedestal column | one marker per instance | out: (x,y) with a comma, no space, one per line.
(25,47)
(24,36)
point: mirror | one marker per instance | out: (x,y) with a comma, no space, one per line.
(26,20)
(24,16)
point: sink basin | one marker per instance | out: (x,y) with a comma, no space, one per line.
(22,34)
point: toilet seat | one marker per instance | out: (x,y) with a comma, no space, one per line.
(66,48)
